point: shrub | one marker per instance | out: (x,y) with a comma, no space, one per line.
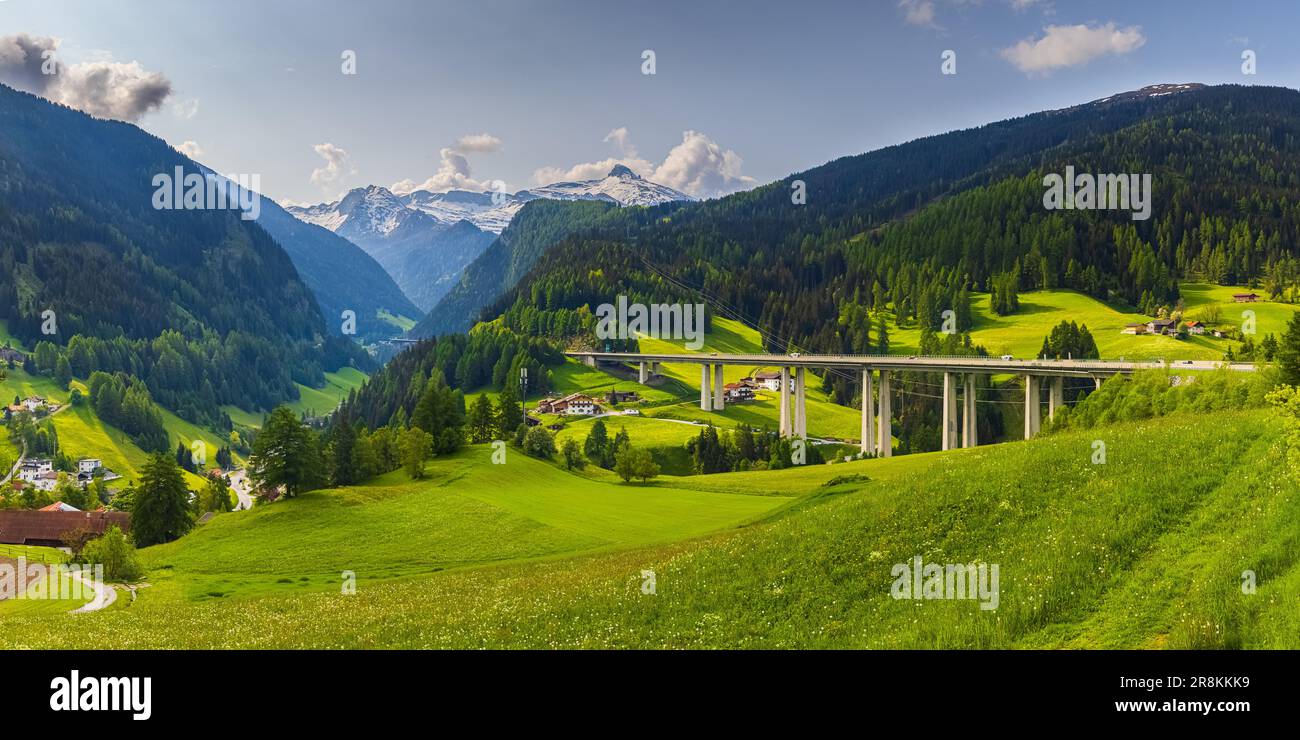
(116,553)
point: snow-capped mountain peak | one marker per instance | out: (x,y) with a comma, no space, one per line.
(621,186)
(369,210)
(621,170)
(376,210)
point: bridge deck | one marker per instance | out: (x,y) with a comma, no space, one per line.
(990,365)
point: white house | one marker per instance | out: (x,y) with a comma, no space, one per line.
(89,464)
(580,405)
(769,379)
(30,469)
(34,402)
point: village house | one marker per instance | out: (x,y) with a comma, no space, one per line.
(59,506)
(1161,326)
(738,392)
(29,469)
(769,379)
(1245,297)
(574,404)
(32,403)
(1134,329)
(47,481)
(580,405)
(89,464)
(1195,327)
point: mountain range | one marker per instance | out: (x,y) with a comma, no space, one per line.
(425,240)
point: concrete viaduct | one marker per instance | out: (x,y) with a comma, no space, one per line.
(959,429)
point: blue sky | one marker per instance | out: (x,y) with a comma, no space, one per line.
(451,93)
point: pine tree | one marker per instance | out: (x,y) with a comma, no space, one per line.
(510,413)
(482,420)
(161,512)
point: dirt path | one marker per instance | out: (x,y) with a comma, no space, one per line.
(105,594)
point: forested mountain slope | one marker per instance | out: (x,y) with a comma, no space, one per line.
(200,303)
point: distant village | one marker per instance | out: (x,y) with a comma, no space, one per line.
(1174,326)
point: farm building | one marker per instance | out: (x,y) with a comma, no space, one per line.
(613,397)
(47,528)
(1245,297)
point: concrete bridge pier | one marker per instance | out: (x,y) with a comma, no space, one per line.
(949,410)
(868,446)
(784,400)
(1032,409)
(885,439)
(719,389)
(1055,396)
(800,408)
(970,420)
(704,387)
(641,374)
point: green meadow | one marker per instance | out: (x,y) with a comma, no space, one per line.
(312,401)
(1144,551)
(1021,334)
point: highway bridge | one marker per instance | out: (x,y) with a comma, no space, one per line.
(959,373)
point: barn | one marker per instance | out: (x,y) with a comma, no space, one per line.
(47,528)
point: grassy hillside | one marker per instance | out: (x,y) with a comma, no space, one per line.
(314,401)
(83,434)
(468,511)
(1145,551)
(1021,334)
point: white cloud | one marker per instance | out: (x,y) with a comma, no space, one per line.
(700,167)
(1069,46)
(918,12)
(454,171)
(478,144)
(186,109)
(697,166)
(619,137)
(337,167)
(190,149)
(121,90)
